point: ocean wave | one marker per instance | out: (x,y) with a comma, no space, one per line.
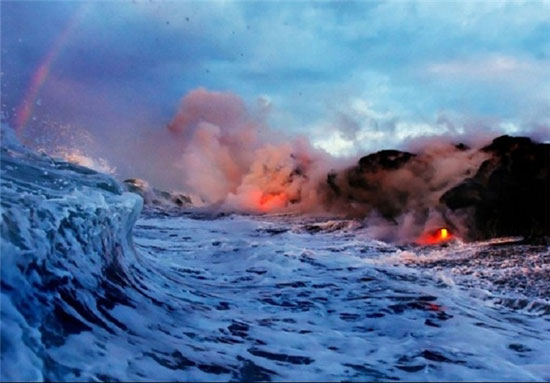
(66,230)
(92,290)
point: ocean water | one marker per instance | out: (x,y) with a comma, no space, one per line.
(94,287)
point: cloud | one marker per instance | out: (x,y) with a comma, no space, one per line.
(352,76)
(490,68)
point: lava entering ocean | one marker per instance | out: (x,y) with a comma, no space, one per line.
(271,201)
(435,237)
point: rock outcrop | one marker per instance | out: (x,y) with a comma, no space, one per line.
(502,189)
(153,197)
(510,193)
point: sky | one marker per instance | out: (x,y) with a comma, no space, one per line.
(351,76)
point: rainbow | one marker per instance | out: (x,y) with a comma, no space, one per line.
(39,77)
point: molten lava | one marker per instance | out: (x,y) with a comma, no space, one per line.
(438,236)
(272,201)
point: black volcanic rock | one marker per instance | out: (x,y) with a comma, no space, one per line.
(507,195)
(371,184)
(504,145)
(331,182)
(154,197)
(384,160)
(510,193)
(462,146)
(468,193)
(361,176)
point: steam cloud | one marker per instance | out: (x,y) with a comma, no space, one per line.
(225,156)
(228,157)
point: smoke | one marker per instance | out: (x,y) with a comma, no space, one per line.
(282,178)
(228,157)
(217,139)
(225,156)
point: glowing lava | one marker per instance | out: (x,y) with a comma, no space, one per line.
(272,201)
(438,236)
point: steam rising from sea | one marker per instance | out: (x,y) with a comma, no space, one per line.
(224,156)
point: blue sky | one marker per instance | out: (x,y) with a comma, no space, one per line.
(351,76)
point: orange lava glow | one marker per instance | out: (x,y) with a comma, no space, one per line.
(438,236)
(272,201)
